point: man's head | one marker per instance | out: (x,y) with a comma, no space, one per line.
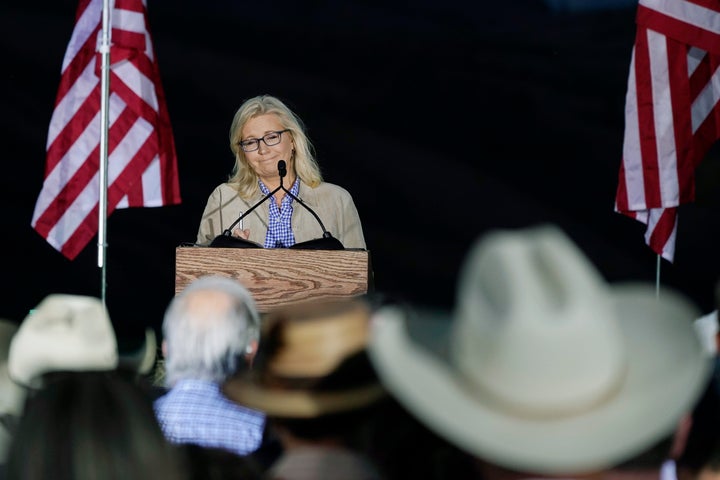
(209,329)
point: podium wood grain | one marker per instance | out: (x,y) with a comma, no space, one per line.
(277,276)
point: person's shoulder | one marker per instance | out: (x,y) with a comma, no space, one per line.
(225,187)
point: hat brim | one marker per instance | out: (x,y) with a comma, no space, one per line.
(300,403)
(666,371)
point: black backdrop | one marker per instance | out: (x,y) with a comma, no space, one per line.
(443,119)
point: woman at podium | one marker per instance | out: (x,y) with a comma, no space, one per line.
(275,196)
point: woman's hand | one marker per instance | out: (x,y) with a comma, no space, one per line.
(240,233)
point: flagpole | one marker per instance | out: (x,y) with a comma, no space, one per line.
(104,122)
(657,277)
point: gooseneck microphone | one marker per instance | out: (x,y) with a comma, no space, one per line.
(327,242)
(226,239)
(282,172)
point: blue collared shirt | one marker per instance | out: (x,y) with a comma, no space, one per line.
(279,233)
(196,411)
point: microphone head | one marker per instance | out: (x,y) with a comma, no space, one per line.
(282,169)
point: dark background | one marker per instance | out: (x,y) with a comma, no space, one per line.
(443,120)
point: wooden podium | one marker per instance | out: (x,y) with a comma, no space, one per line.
(279,276)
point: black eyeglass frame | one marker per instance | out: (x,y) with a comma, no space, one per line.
(256,141)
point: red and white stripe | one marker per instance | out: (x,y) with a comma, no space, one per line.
(672,113)
(142,162)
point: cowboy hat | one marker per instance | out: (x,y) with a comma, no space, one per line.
(67,333)
(312,362)
(547,368)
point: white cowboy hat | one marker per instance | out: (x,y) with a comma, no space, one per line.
(548,369)
(69,333)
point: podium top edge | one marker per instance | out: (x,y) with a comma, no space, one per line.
(207,247)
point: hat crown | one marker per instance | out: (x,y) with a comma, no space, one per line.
(64,333)
(536,330)
(547,369)
(315,346)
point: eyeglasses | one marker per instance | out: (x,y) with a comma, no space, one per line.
(270,139)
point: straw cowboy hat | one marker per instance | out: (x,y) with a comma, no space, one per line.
(312,362)
(548,368)
(70,333)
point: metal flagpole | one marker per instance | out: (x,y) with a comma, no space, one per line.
(657,276)
(104,123)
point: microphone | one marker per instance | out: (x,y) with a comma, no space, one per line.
(327,242)
(282,171)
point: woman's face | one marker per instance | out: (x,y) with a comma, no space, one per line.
(265,159)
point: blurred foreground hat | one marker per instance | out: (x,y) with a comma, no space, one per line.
(12,395)
(312,362)
(548,369)
(66,333)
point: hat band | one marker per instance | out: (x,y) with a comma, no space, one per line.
(545,411)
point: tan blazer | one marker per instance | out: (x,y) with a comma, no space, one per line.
(332,203)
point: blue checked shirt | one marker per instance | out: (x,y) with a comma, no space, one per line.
(280,234)
(196,411)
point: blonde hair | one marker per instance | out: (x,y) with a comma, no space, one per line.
(243,177)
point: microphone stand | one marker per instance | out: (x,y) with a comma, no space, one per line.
(327,242)
(228,231)
(282,171)
(226,239)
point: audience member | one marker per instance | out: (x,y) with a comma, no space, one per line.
(314,380)
(547,370)
(211,330)
(91,425)
(83,418)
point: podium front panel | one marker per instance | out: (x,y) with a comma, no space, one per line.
(277,277)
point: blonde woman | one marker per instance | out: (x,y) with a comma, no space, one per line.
(263,133)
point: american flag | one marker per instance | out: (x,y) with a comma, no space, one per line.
(142,163)
(672,113)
